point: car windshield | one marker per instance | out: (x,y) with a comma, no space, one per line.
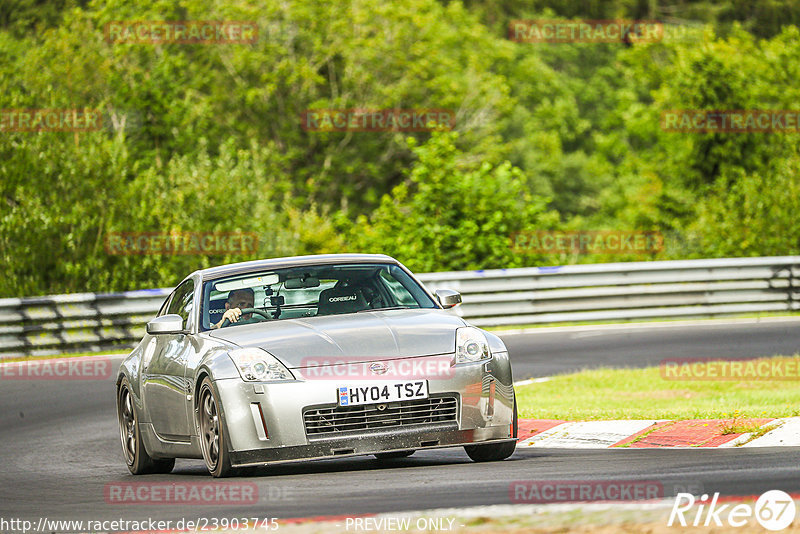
(311,291)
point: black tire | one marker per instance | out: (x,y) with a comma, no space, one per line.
(136,456)
(213,435)
(495,452)
(394,455)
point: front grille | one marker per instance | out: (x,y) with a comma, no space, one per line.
(379,416)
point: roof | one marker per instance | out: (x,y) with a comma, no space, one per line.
(296,261)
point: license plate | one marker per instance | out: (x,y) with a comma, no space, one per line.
(379,392)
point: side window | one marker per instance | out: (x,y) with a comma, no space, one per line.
(183,301)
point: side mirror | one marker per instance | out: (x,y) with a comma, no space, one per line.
(448,298)
(166,324)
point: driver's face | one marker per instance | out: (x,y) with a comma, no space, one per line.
(240,300)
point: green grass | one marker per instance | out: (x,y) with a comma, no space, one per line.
(644,394)
(736,426)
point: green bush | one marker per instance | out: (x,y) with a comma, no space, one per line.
(453,213)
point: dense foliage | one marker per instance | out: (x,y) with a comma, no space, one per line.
(208,138)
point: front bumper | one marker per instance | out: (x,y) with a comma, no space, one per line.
(484,414)
(397,440)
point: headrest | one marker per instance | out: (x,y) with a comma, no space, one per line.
(340,300)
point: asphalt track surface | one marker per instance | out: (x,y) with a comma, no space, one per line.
(553,351)
(59,445)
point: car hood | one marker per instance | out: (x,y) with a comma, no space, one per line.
(377,335)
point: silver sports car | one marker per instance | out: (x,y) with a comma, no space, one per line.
(311,357)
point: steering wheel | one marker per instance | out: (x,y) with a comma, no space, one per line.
(262,313)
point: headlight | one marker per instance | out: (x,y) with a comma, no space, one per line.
(258,365)
(471,345)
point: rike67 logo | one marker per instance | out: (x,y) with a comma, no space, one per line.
(774,510)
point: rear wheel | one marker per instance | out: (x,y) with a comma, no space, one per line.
(136,457)
(495,451)
(213,438)
(394,454)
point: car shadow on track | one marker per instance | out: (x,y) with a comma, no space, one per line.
(335,465)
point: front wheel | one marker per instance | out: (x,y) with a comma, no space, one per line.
(490,453)
(213,437)
(136,457)
(496,451)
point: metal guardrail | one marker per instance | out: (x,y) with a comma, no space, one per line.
(625,291)
(535,295)
(76,322)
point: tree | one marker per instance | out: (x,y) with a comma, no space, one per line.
(449,215)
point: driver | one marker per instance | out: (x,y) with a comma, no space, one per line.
(238,299)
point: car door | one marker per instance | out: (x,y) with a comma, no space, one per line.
(164,370)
